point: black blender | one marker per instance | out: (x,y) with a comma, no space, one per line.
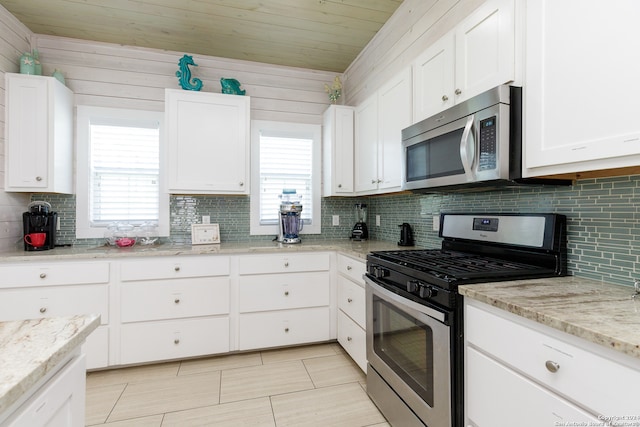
(39,225)
(360,231)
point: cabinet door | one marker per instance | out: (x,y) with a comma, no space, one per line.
(485,49)
(366,145)
(581,86)
(433,74)
(337,148)
(208,142)
(498,397)
(394,114)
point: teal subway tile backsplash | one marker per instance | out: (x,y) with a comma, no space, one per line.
(603,219)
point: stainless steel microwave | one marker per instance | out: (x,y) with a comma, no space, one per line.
(477,143)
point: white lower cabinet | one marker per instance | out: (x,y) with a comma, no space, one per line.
(59,402)
(284,300)
(173,307)
(519,371)
(351,309)
(56,289)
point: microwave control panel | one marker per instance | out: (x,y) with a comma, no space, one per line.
(488,142)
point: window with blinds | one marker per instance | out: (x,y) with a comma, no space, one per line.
(124,174)
(285,162)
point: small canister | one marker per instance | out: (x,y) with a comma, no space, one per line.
(27,64)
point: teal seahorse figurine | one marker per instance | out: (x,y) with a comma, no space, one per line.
(231,86)
(184,74)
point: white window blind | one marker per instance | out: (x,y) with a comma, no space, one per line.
(124,173)
(285,162)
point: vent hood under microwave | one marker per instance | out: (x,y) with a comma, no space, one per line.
(473,146)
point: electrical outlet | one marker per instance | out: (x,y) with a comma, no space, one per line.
(377,220)
(336,219)
(436,222)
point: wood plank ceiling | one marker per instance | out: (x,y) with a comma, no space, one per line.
(316,34)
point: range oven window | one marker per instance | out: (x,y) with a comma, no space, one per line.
(406,345)
(435,157)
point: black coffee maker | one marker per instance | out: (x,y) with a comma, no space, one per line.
(37,220)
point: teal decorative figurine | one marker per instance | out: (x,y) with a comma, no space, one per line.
(184,74)
(231,86)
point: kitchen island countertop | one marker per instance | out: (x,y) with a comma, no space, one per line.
(596,311)
(31,349)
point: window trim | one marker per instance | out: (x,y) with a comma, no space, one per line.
(85,113)
(311,131)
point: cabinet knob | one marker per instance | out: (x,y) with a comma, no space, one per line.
(176,341)
(286,293)
(349,338)
(339,185)
(286,264)
(286,329)
(458,92)
(349,300)
(379,181)
(43,309)
(177,300)
(373,181)
(38,178)
(176,268)
(445,98)
(552,366)
(241,184)
(348,267)
(43,275)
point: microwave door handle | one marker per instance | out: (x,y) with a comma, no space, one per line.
(467,148)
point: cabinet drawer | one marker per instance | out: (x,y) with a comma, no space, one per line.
(62,273)
(351,300)
(283,291)
(152,341)
(511,397)
(173,299)
(287,327)
(174,267)
(584,376)
(353,339)
(351,268)
(285,263)
(36,302)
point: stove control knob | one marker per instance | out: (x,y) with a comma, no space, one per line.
(412,286)
(379,272)
(427,292)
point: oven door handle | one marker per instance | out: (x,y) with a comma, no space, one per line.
(401,301)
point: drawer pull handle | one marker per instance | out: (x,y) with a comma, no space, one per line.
(43,309)
(349,300)
(177,300)
(286,293)
(348,267)
(43,275)
(176,268)
(286,329)
(349,338)
(38,178)
(176,341)
(552,366)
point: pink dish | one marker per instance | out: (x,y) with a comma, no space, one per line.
(125,242)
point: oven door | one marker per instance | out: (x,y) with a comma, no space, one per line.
(408,345)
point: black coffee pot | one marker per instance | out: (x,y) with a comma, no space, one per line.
(406,235)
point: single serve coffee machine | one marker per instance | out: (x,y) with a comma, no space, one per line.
(40,225)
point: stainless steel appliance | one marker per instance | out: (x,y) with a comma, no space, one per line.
(360,230)
(474,144)
(39,227)
(290,221)
(414,313)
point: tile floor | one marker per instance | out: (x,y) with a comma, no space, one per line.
(316,385)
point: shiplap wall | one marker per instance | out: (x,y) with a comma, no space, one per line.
(14,41)
(102,74)
(414,26)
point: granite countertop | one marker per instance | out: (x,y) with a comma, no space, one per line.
(602,313)
(346,246)
(30,349)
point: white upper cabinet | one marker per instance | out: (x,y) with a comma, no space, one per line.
(581,86)
(379,123)
(478,54)
(39,135)
(208,142)
(337,151)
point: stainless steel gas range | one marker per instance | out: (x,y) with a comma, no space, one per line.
(414,313)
